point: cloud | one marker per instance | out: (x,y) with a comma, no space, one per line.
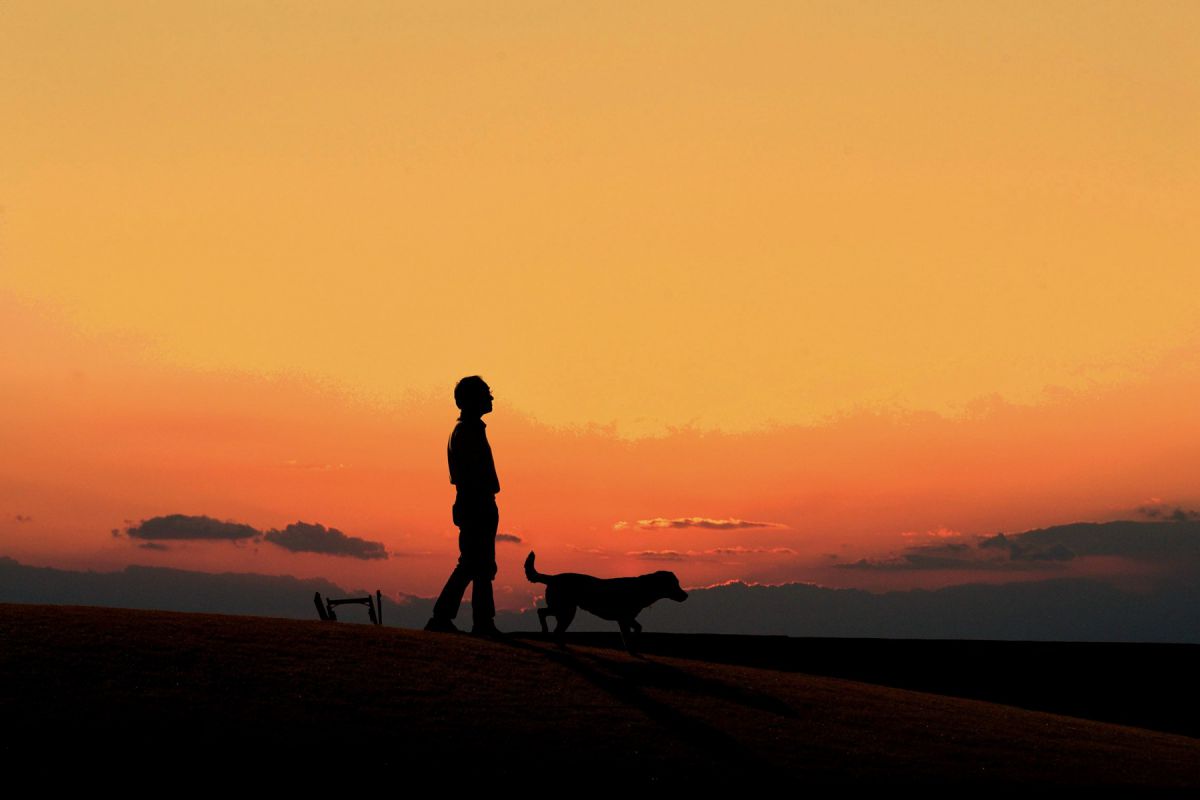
(659,555)
(23,518)
(737,551)
(153,546)
(299,537)
(660,523)
(936,533)
(183,526)
(508,537)
(711,553)
(302,537)
(595,551)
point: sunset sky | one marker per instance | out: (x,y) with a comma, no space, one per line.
(759,290)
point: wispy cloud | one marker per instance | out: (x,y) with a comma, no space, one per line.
(659,555)
(936,533)
(595,551)
(662,523)
(709,554)
(23,518)
(508,537)
(739,551)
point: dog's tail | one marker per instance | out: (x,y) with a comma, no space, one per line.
(532,574)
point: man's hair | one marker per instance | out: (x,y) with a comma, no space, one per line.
(468,389)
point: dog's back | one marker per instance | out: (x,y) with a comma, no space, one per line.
(608,598)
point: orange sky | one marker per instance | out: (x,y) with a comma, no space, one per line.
(855,271)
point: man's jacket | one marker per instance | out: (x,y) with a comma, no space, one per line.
(472,469)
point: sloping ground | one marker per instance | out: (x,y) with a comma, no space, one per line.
(206,691)
(1146,685)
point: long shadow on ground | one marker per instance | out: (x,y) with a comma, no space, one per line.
(1144,685)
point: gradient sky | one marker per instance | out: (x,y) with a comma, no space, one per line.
(862,271)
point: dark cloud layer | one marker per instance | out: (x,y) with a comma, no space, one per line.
(1019,550)
(183,526)
(1166,512)
(303,537)
(956,556)
(508,537)
(1173,543)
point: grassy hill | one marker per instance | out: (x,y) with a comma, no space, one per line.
(312,699)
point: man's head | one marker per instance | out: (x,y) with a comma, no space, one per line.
(473,396)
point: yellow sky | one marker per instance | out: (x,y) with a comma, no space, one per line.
(689,212)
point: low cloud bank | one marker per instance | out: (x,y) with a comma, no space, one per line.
(1049,610)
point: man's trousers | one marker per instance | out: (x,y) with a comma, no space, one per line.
(477,519)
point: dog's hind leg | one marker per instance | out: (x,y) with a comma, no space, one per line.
(637,637)
(563,618)
(629,627)
(542,614)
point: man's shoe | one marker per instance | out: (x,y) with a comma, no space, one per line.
(440,626)
(489,630)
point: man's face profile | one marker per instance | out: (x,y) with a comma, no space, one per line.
(474,396)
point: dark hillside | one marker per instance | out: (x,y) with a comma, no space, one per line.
(210,693)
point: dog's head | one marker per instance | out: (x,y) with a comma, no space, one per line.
(667,585)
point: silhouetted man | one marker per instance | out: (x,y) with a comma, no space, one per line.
(473,473)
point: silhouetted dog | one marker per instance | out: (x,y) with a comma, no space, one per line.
(618,599)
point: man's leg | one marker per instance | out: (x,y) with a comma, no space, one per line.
(446,607)
(448,602)
(483,604)
(482,543)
